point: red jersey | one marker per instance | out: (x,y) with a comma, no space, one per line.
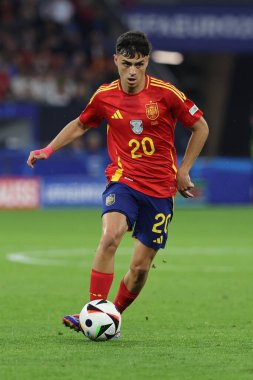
(140,133)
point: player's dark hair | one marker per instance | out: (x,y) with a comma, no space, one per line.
(133,42)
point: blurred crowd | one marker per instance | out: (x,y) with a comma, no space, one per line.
(54,52)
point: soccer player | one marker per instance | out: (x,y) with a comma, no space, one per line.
(141,113)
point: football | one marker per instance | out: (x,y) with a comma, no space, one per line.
(100,320)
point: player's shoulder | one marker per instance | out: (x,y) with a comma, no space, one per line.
(159,82)
(167,87)
(104,89)
(108,86)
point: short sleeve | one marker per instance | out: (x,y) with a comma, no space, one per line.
(184,109)
(90,116)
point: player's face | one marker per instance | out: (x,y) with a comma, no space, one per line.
(132,72)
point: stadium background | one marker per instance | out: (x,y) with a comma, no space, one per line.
(193,320)
(54,55)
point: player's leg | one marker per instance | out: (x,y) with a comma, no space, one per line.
(139,267)
(151,230)
(119,214)
(114,226)
(135,278)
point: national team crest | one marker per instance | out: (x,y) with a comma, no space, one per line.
(137,126)
(152,111)
(110,200)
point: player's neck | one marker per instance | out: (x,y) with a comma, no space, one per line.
(131,90)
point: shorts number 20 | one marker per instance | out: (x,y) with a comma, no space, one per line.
(163,222)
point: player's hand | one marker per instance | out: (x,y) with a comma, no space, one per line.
(34,156)
(41,154)
(184,184)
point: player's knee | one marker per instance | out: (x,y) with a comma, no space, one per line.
(139,271)
(110,240)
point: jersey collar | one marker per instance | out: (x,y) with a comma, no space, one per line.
(147,81)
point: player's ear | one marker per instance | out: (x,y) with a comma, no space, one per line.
(115,57)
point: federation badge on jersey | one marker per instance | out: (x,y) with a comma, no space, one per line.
(152,110)
(137,126)
(110,199)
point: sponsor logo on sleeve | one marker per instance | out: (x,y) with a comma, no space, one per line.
(193,109)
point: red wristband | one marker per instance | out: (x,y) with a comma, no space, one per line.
(48,150)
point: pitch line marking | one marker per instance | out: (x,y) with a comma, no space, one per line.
(42,258)
(124,250)
(23,258)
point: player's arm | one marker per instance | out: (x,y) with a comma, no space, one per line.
(196,142)
(69,133)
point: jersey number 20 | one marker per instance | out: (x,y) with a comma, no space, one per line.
(146,144)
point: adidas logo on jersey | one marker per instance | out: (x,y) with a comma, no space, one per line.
(117,115)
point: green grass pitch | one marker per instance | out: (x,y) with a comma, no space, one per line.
(193,320)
